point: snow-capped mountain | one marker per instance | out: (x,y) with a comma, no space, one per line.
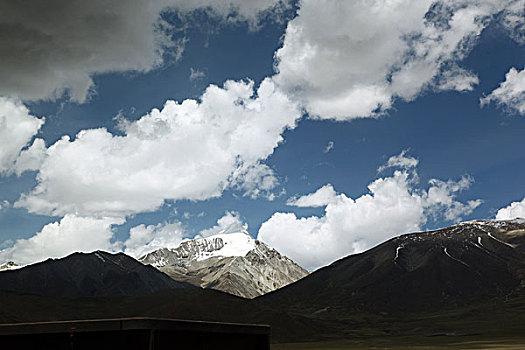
(230,261)
(10,265)
(220,245)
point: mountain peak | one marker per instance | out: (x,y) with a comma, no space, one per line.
(10,265)
(220,245)
(231,261)
(236,243)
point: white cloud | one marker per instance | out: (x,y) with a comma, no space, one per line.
(511,93)
(196,74)
(514,21)
(257,180)
(58,239)
(350,59)
(329,147)
(442,202)
(399,161)
(86,234)
(236,10)
(320,198)
(55,47)
(190,150)
(231,222)
(394,205)
(4,204)
(513,211)
(458,79)
(145,239)
(17,128)
(31,158)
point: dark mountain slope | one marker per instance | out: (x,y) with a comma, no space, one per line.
(94,274)
(104,285)
(459,265)
(181,303)
(463,280)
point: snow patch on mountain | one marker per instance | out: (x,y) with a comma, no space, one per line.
(230,260)
(223,245)
(10,265)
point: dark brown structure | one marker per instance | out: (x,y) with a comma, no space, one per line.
(134,334)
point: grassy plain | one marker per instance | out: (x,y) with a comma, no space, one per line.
(399,343)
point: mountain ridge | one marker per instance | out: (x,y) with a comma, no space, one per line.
(88,274)
(447,267)
(460,280)
(229,261)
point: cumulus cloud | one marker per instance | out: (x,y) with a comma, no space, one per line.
(144,239)
(320,198)
(55,47)
(510,94)
(231,222)
(58,239)
(191,150)
(394,205)
(513,211)
(31,158)
(349,59)
(17,128)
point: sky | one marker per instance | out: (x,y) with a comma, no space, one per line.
(323,127)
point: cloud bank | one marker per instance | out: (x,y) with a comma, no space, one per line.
(87,234)
(350,59)
(51,48)
(339,59)
(394,205)
(191,150)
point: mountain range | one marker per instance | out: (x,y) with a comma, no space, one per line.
(467,279)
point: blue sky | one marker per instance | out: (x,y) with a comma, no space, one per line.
(349,90)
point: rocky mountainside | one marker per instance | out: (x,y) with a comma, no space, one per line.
(10,265)
(230,261)
(84,275)
(468,263)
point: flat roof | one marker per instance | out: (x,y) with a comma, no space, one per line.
(132,323)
